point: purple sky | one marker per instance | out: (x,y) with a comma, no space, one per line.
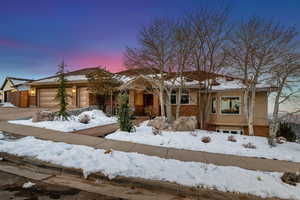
(36,35)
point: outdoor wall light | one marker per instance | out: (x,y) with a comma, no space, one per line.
(32,91)
(73,90)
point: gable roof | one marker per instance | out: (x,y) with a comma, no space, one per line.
(15,81)
(77,75)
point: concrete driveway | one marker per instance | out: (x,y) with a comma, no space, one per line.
(16,113)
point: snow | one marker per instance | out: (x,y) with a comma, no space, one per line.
(1,135)
(90,160)
(234,84)
(18,82)
(7,105)
(68,78)
(28,185)
(98,118)
(219,144)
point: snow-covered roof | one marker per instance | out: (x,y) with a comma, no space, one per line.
(68,78)
(18,82)
(234,84)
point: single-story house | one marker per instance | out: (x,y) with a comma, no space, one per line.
(16,91)
(226,113)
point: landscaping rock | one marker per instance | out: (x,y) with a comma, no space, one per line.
(281,140)
(249,146)
(41,116)
(231,138)
(159,123)
(84,119)
(206,139)
(291,178)
(185,124)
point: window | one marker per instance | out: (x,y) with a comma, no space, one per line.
(230,105)
(185,97)
(173,97)
(214,105)
(230,131)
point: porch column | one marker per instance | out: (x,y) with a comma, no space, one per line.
(131,98)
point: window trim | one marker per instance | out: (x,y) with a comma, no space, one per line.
(230,113)
(211,105)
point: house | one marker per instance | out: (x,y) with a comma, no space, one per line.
(43,91)
(227,107)
(15,91)
(226,112)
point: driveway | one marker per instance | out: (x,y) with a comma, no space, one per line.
(16,113)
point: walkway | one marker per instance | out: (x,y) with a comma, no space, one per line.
(99,131)
(169,153)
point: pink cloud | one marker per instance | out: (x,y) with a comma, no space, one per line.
(11,43)
(112,61)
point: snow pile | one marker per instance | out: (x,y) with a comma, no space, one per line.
(90,160)
(1,135)
(98,118)
(7,105)
(219,143)
(28,185)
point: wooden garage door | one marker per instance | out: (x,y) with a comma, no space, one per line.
(83,97)
(47,97)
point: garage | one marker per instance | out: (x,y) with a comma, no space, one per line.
(83,97)
(47,97)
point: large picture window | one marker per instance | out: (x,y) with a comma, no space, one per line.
(214,105)
(185,97)
(230,105)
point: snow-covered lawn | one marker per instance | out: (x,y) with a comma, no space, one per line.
(90,160)
(7,105)
(219,144)
(98,118)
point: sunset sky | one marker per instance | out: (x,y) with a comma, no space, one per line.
(35,35)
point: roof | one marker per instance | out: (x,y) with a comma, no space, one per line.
(138,71)
(15,81)
(73,76)
(192,78)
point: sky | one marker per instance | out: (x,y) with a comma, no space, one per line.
(35,35)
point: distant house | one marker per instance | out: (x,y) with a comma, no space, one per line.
(226,113)
(16,91)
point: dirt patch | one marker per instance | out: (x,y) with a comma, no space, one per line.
(38,190)
(11,188)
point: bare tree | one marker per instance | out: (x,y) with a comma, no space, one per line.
(256,46)
(154,53)
(210,33)
(285,77)
(183,46)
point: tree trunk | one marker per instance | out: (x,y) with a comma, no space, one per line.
(169,107)
(251,112)
(161,100)
(275,121)
(246,105)
(199,109)
(206,110)
(178,103)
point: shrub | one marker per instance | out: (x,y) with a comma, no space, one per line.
(286,131)
(206,139)
(125,114)
(231,138)
(249,146)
